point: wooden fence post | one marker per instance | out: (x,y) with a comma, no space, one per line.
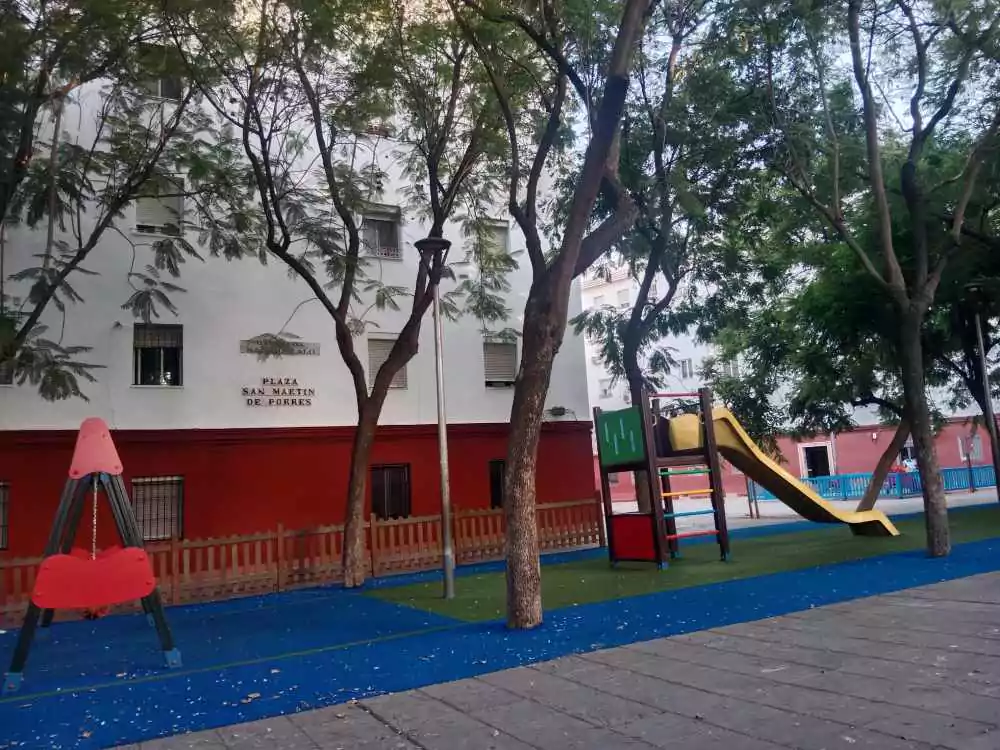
(279,557)
(175,564)
(374,543)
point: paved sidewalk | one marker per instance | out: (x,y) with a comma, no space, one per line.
(919,669)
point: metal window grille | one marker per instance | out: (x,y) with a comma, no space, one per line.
(498,239)
(391,491)
(4,514)
(500,363)
(159,507)
(604,384)
(378,353)
(497,467)
(687,368)
(7,372)
(157,354)
(731,369)
(382,238)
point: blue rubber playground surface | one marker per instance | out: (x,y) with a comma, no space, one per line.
(99,684)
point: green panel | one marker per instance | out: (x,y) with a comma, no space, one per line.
(620,435)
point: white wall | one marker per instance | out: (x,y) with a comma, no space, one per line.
(227,302)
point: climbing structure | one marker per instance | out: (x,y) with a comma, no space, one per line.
(637,439)
(91,580)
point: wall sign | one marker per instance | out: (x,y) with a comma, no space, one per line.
(289,348)
(278,392)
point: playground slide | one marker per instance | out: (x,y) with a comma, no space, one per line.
(736,447)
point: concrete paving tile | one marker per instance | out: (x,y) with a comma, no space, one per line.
(469,695)
(713,738)
(209,740)
(932,728)
(549,729)
(573,698)
(988,741)
(662,730)
(278,732)
(348,727)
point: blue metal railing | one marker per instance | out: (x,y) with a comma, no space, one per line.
(853,486)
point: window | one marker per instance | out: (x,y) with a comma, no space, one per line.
(7,372)
(164,87)
(156,354)
(161,210)
(498,237)
(159,61)
(730,369)
(4,511)
(497,467)
(652,291)
(970,447)
(909,453)
(605,387)
(159,507)
(687,368)
(500,363)
(623,299)
(599,300)
(391,491)
(10,319)
(381,237)
(378,353)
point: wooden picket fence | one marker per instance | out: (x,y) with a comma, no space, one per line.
(191,570)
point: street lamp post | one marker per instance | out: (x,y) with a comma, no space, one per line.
(976,294)
(430,247)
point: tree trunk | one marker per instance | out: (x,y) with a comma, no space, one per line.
(915,405)
(543,333)
(634,377)
(355,553)
(885,463)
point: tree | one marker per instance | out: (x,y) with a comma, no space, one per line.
(98,58)
(533,132)
(682,149)
(837,154)
(314,82)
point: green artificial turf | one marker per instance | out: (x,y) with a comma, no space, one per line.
(481,597)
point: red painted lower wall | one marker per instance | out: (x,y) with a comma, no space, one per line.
(238,481)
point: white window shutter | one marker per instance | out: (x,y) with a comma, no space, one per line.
(500,362)
(378,353)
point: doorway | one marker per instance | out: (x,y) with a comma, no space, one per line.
(816,460)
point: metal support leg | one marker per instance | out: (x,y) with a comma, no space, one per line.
(73,516)
(12,680)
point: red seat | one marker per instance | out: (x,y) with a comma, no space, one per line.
(74,581)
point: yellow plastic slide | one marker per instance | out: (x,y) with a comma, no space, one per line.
(736,447)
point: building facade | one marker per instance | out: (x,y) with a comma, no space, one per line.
(218,440)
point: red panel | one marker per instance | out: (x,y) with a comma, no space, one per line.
(95,451)
(240,481)
(632,537)
(76,582)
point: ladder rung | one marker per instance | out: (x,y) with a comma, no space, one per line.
(687,492)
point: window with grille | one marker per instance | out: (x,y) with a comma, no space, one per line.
(730,369)
(4,514)
(391,491)
(381,237)
(378,353)
(159,507)
(156,354)
(164,87)
(604,384)
(622,297)
(10,320)
(970,448)
(7,372)
(159,60)
(687,368)
(652,291)
(161,210)
(500,363)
